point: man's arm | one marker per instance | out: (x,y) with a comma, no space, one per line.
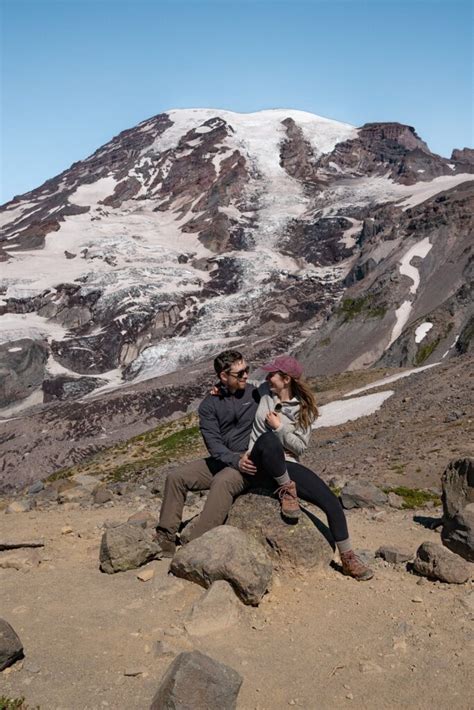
(212,436)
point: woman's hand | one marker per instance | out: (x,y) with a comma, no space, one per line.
(273,420)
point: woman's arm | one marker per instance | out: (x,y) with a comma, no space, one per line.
(293,438)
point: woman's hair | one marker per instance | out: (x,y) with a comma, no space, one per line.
(308,407)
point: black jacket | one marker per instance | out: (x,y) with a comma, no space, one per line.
(226,422)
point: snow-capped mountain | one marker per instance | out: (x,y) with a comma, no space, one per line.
(201,229)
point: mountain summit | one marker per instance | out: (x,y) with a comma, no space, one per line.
(200,229)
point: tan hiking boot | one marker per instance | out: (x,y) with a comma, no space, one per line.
(290,507)
(353,566)
(167,542)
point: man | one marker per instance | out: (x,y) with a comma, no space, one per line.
(226,422)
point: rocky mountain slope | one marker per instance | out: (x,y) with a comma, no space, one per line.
(200,229)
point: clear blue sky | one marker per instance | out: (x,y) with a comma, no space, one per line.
(77,72)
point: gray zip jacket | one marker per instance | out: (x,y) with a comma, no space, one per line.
(294,439)
(226,421)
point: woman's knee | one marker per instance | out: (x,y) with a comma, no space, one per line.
(266,442)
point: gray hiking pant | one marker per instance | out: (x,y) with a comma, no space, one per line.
(224,484)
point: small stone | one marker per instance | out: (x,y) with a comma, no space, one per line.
(144,519)
(133,672)
(350,696)
(395,501)
(146,574)
(417,600)
(31,667)
(23,559)
(369,667)
(20,506)
(394,555)
(101,494)
(66,530)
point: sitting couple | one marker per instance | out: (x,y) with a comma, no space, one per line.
(254,435)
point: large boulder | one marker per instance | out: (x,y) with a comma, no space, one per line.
(458,486)
(362,494)
(195,681)
(458,533)
(229,554)
(11,648)
(127,547)
(434,561)
(300,545)
(458,507)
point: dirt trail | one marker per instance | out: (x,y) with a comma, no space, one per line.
(318,640)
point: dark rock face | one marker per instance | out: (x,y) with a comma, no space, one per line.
(301,545)
(126,547)
(197,681)
(226,553)
(63,387)
(297,156)
(458,486)
(458,508)
(458,533)
(22,366)
(11,648)
(387,146)
(435,562)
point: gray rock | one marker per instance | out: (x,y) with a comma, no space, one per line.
(362,494)
(126,547)
(393,554)
(144,519)
(395,501)
(458,533)
(229,554)
(78,494)
(24,505)
(101,495)
(217,610)
(90,483)
(195,681)
(301,545)
(434,561)
(458,486)
(11,648)
(36,487)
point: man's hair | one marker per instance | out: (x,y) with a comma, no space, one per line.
(226,359)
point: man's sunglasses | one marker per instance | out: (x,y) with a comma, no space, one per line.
(240,374)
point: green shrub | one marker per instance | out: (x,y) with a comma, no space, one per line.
(414,497)
(350,308)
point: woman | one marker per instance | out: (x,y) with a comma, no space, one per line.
(280,434)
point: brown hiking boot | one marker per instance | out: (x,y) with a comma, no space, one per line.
(167,542)
(290,507)
(353,566)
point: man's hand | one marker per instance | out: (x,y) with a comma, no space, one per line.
(273,420)
(246,465)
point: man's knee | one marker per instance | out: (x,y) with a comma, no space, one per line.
(228,479)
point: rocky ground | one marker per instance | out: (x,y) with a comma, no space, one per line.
(316,640)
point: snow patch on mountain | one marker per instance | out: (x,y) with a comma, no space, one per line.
(92,193)
(422,331)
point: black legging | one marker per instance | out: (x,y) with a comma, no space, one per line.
(269,457)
